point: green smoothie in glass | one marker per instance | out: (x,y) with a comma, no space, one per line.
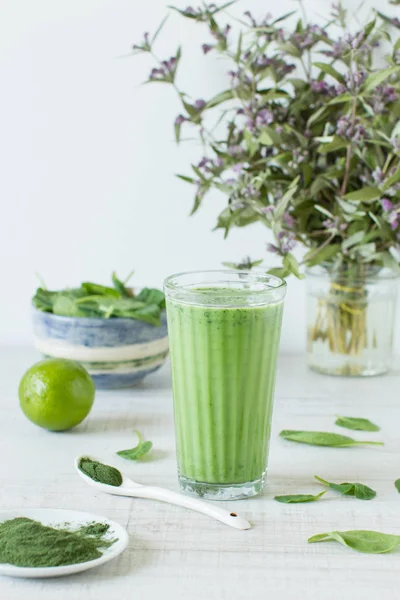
(224,329)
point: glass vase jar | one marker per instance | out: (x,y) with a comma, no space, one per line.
(350,319)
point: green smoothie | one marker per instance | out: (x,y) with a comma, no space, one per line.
(223,373)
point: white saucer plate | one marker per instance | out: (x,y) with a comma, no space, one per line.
(59,518)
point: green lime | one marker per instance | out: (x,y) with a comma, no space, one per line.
(56,394)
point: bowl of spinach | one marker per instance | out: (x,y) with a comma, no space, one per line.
(117,335)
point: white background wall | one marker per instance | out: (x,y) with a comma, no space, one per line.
(88,159)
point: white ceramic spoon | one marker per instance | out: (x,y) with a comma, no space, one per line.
(137,490)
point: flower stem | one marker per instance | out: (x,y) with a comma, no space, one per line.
(348,153)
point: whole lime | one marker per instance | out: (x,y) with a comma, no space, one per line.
(56,394)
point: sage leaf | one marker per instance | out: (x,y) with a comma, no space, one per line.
(357,424)
(323,438)
(359,490)
(368,542)
(138,451)
(397,485)
(295,498)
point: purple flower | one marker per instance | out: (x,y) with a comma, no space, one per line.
(170,64)
(238,167)
(207,48)
(387,205)
(272,248)
(250,124)
(319,86)
(230,181)
(396,22)
(190,11)
(179,120)
(390,93)
(378,175)
(289,220)
(234,150)
(396,144)
(331,223)
(204,162)
(268,210)
(239,77)
(286,240)
(208,164)
(264,117)
(355,79)
(298,157)
(351,129)
(251,192)
(157,74)
(393,219)
(199,104)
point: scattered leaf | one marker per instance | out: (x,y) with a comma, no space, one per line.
(356,424)
(368,542)
(138,451)
(323,438)
(359,490)
(295,498)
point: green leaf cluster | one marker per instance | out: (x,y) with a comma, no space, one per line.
(92,300)
(306,138)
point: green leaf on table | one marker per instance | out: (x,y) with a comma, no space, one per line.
(323,438)
(397,485)
(368,542)
(138,451)
(295,498)
(356,424)
(359,490)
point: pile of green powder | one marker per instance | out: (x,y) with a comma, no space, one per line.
(28,543)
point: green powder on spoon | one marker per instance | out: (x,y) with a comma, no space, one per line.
(100,472)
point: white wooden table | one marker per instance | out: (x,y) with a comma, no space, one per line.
(174,553)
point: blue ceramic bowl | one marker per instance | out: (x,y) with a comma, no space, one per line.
(118,353)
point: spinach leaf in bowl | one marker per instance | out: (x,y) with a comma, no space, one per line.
(94,300)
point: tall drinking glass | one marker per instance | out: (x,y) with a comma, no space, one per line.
(224,329)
